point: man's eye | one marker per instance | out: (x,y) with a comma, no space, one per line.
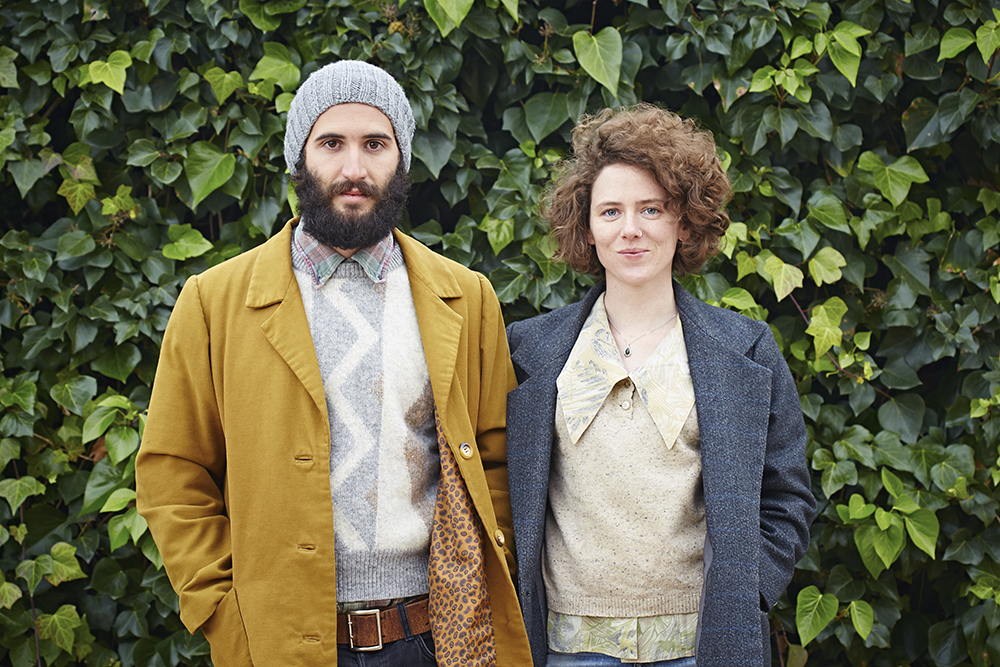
(374,145)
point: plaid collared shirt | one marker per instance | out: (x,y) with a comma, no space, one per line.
(323,260)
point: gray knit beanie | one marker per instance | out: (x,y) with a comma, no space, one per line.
(341,82)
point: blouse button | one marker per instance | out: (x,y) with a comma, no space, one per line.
(498,536)
(466,450)
(626,405)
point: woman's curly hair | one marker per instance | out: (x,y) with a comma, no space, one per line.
(679,156)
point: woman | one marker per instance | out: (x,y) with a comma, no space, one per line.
(656,445)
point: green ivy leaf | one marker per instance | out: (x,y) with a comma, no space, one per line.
(277,66)
(434,149)
(511,7)
(26,173)
(889,542)
(109,579)
(862,617)
(8,71)
(118,362)
(32,571)
(65,566)
(545,113)
(903,415)
(600,56)
(121,442)
(456,10)
(263,21)
(125,526)
(185,243)
(118,501)
(207,168)
(74,244)
(112,71)
(77,194)
(958,462)
(813,612)
(844,50)
(142,153)
(893,180)
(104,479)
(923,527)
(440,17)
(893,485)
(223,84)
(9,594)
(954,42)
(825,324)
(16,491)
(98,422)
(786,277)
(60,627)
(824,267)
(74,393)
(864,540)
(988,40)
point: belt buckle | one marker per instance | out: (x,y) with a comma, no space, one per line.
(378,628)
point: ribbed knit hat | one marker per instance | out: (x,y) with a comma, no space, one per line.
(341,82)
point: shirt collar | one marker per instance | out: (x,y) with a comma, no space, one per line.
(594,367)
(323,260)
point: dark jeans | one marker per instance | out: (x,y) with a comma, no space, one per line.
(415,651)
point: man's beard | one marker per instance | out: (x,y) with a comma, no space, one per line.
(350,230)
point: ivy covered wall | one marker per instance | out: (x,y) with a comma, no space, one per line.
(140,142)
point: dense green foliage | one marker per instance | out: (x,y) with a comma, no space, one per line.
(140,142)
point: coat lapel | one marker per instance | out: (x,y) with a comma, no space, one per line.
(440,326)
(273,285)
(732,395)
(541,353)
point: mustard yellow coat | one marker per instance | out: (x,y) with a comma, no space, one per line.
(233,472)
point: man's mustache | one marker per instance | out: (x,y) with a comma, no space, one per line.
(345,186)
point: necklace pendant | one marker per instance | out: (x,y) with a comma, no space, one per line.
(628,351)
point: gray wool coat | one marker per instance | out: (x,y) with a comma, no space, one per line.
(758,502)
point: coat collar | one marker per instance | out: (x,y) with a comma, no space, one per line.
(272,281)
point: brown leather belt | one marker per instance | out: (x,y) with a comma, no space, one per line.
(370,629)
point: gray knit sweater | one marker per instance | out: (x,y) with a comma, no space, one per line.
(384,465)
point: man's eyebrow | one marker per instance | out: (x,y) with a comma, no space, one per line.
(334,135)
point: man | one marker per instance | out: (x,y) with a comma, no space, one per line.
(324,463)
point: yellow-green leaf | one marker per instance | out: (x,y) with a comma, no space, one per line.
(862,616)
(60,626)
(824,267)
(813,612)
(111,72)
(785,277)
(825,325)
(223,84)
(77,194)
(600,56)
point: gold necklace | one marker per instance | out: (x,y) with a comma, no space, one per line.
(628,344)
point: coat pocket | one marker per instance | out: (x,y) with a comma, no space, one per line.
(226,634)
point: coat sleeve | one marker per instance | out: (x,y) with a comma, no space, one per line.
(787,505)
(179,477)
(491,433)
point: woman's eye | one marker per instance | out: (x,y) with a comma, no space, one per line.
(651,210)
(610,213)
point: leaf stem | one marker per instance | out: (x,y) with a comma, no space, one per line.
(593,13)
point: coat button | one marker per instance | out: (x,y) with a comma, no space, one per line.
(466,450)
(626,405)
(498,536)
